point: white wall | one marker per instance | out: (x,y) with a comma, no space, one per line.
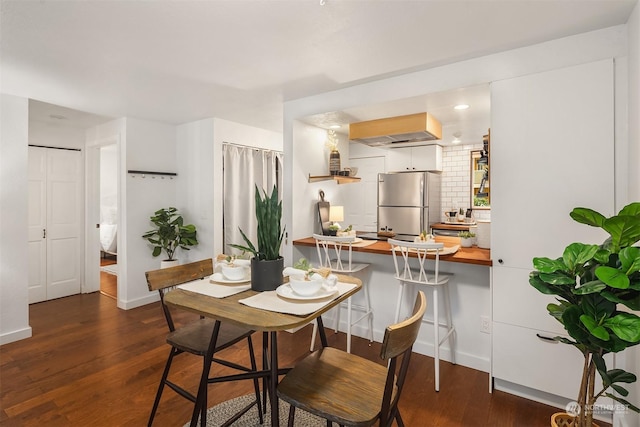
(55,135)
(199,153)
(14,308)
(146,146)
(311,158)
(195,154)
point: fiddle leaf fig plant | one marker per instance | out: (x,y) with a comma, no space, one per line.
(170,233)
(598,290)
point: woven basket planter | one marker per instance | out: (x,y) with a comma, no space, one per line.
(562,419)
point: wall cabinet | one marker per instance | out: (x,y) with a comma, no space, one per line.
(550,152)
(423,158)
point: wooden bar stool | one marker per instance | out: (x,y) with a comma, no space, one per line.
(331,255)
(411,260)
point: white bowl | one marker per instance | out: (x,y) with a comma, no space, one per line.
(304,287)
(233,272)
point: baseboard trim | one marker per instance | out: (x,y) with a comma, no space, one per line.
(139,302)
(18,335)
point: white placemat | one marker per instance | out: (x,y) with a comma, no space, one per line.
(270,301)
(205,287)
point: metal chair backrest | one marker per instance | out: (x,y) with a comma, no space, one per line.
(329,247)
(165,278)
(405,252)
(398,341)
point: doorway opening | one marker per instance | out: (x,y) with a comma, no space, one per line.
(109,221)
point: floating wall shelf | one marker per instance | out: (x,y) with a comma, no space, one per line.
(338,178)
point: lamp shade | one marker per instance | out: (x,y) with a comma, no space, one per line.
(336,213)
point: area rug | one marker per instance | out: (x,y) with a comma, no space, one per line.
(225,410)
(111,269)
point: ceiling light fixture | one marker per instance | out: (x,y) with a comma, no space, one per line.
(456,138)
(334,127)
(461,107)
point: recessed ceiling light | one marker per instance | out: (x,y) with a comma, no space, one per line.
(334,127)
(461,107)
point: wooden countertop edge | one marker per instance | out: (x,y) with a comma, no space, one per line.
(474,255)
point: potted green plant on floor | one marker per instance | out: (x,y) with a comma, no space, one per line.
(170,234)
(266,264)
(597,288)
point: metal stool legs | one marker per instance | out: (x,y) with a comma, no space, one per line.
(437,341)
(368,313)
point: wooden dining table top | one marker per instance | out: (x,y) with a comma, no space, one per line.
(230,310)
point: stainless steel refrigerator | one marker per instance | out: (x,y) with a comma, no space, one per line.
(408,202)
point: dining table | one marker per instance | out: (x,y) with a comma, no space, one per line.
(269,312)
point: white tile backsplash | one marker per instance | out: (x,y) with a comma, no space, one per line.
(456,180)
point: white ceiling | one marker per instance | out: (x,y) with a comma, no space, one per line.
(180,61)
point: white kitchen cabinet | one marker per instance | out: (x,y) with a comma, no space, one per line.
(552,149)
(423,158)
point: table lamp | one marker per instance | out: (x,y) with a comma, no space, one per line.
(336,214)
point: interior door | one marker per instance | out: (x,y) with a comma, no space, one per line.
(55,194)
(37,223)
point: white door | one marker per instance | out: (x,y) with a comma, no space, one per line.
(55,223)
(37,224)
(361,204)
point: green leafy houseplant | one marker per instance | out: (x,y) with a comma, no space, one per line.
(170,233)
(596,287)
(466,235)
(270,233)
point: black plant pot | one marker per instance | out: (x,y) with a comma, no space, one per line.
(266,275)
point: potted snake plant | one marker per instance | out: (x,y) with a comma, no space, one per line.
(597,288)
(266,264)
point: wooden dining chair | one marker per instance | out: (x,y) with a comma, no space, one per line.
(350,390)
(335,253)
(196,337)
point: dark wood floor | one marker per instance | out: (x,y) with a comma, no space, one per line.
(91,364)
(108,282)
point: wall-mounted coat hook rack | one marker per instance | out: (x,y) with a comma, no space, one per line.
(152,174)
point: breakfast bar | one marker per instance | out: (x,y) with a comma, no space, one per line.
(469,288)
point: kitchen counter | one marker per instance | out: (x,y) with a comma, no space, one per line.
(473,255)
(469,288)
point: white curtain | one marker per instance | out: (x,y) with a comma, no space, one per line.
(244,168)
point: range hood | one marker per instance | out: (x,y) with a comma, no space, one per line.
(397,131)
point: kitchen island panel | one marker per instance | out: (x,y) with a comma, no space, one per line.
(470,300)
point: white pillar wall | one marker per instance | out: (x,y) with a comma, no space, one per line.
(14,298)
